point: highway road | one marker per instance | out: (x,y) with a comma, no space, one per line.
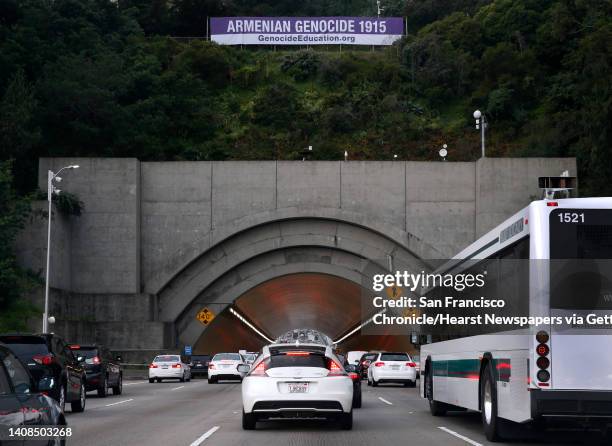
(194,413)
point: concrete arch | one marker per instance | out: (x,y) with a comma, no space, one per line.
(184,256)
(265,268)
(250,245)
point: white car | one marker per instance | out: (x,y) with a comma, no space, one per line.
(169,367)
(250,357)
(297,380)
(225,366)
(388,367)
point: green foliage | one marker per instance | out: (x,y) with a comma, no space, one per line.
(14,211)
(95,78)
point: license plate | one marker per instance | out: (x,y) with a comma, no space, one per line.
(395,367)
(226,366)
(298,387)
(164,367)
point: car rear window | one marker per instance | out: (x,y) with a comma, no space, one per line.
(25,347)
(227,357)
(86,352)
(167,358)
(288,360)
(394,357)
(200,357)
(369,356)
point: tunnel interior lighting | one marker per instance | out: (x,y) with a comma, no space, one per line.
(251,326)
(359,327)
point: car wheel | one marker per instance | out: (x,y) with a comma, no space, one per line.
(57,441)
(79,405)
(118,389)
(151,380)
(212,379)
(436,408)
(493,425)
(103,390)
(374,383)
(406,384)
(249,421)
(346,421)
(412,383)
(182,379)
(159,380)
(357,400)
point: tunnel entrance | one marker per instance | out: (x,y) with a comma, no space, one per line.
(327,303)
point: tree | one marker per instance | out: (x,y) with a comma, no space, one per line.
(14,281)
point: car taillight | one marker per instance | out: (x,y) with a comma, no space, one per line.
(43,359)
(211,366)
(152,366)
(354,376)
(297,354)
(379,364)
(95,360)
(334,368)
(260,370)
(411,364)
(176,366)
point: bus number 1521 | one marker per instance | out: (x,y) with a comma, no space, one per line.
(571,217)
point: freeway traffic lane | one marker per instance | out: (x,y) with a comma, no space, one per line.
(197,413)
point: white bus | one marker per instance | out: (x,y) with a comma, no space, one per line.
(531,374)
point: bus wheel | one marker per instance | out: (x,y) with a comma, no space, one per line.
(436,408)
(488,399)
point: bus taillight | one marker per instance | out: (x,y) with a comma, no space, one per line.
(542,350)
(542,337)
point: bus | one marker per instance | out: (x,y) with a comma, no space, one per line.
(531,374)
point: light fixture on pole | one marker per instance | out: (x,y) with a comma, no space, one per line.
(482,124)
(51,189)
(306,153)
(379,8)
(443,152)
(346,155)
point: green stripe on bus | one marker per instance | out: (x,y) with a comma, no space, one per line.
(470,368)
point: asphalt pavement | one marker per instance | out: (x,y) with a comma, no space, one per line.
(197,413)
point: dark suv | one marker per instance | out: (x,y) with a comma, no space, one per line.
(199,365)
(102,369)
(48,356)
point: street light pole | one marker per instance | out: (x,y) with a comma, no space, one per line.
(50,191)
(481,122)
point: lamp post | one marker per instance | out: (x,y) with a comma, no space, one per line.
(482,124)
(51,189)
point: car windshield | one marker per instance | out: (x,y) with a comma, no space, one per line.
(293,359)
(227,357)
(167,358)
(394,357)
(25,347)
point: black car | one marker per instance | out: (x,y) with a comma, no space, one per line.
(199,365)
(103,371)
(48,356)
(364,363)
(23,402)
(353,372)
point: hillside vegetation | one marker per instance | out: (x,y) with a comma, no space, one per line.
(97,78)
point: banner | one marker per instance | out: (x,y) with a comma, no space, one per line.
(306,30)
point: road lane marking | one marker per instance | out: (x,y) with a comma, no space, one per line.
(385,401)
(204,436)
(134,383)
(176,388)
(119,402)
(462,437)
